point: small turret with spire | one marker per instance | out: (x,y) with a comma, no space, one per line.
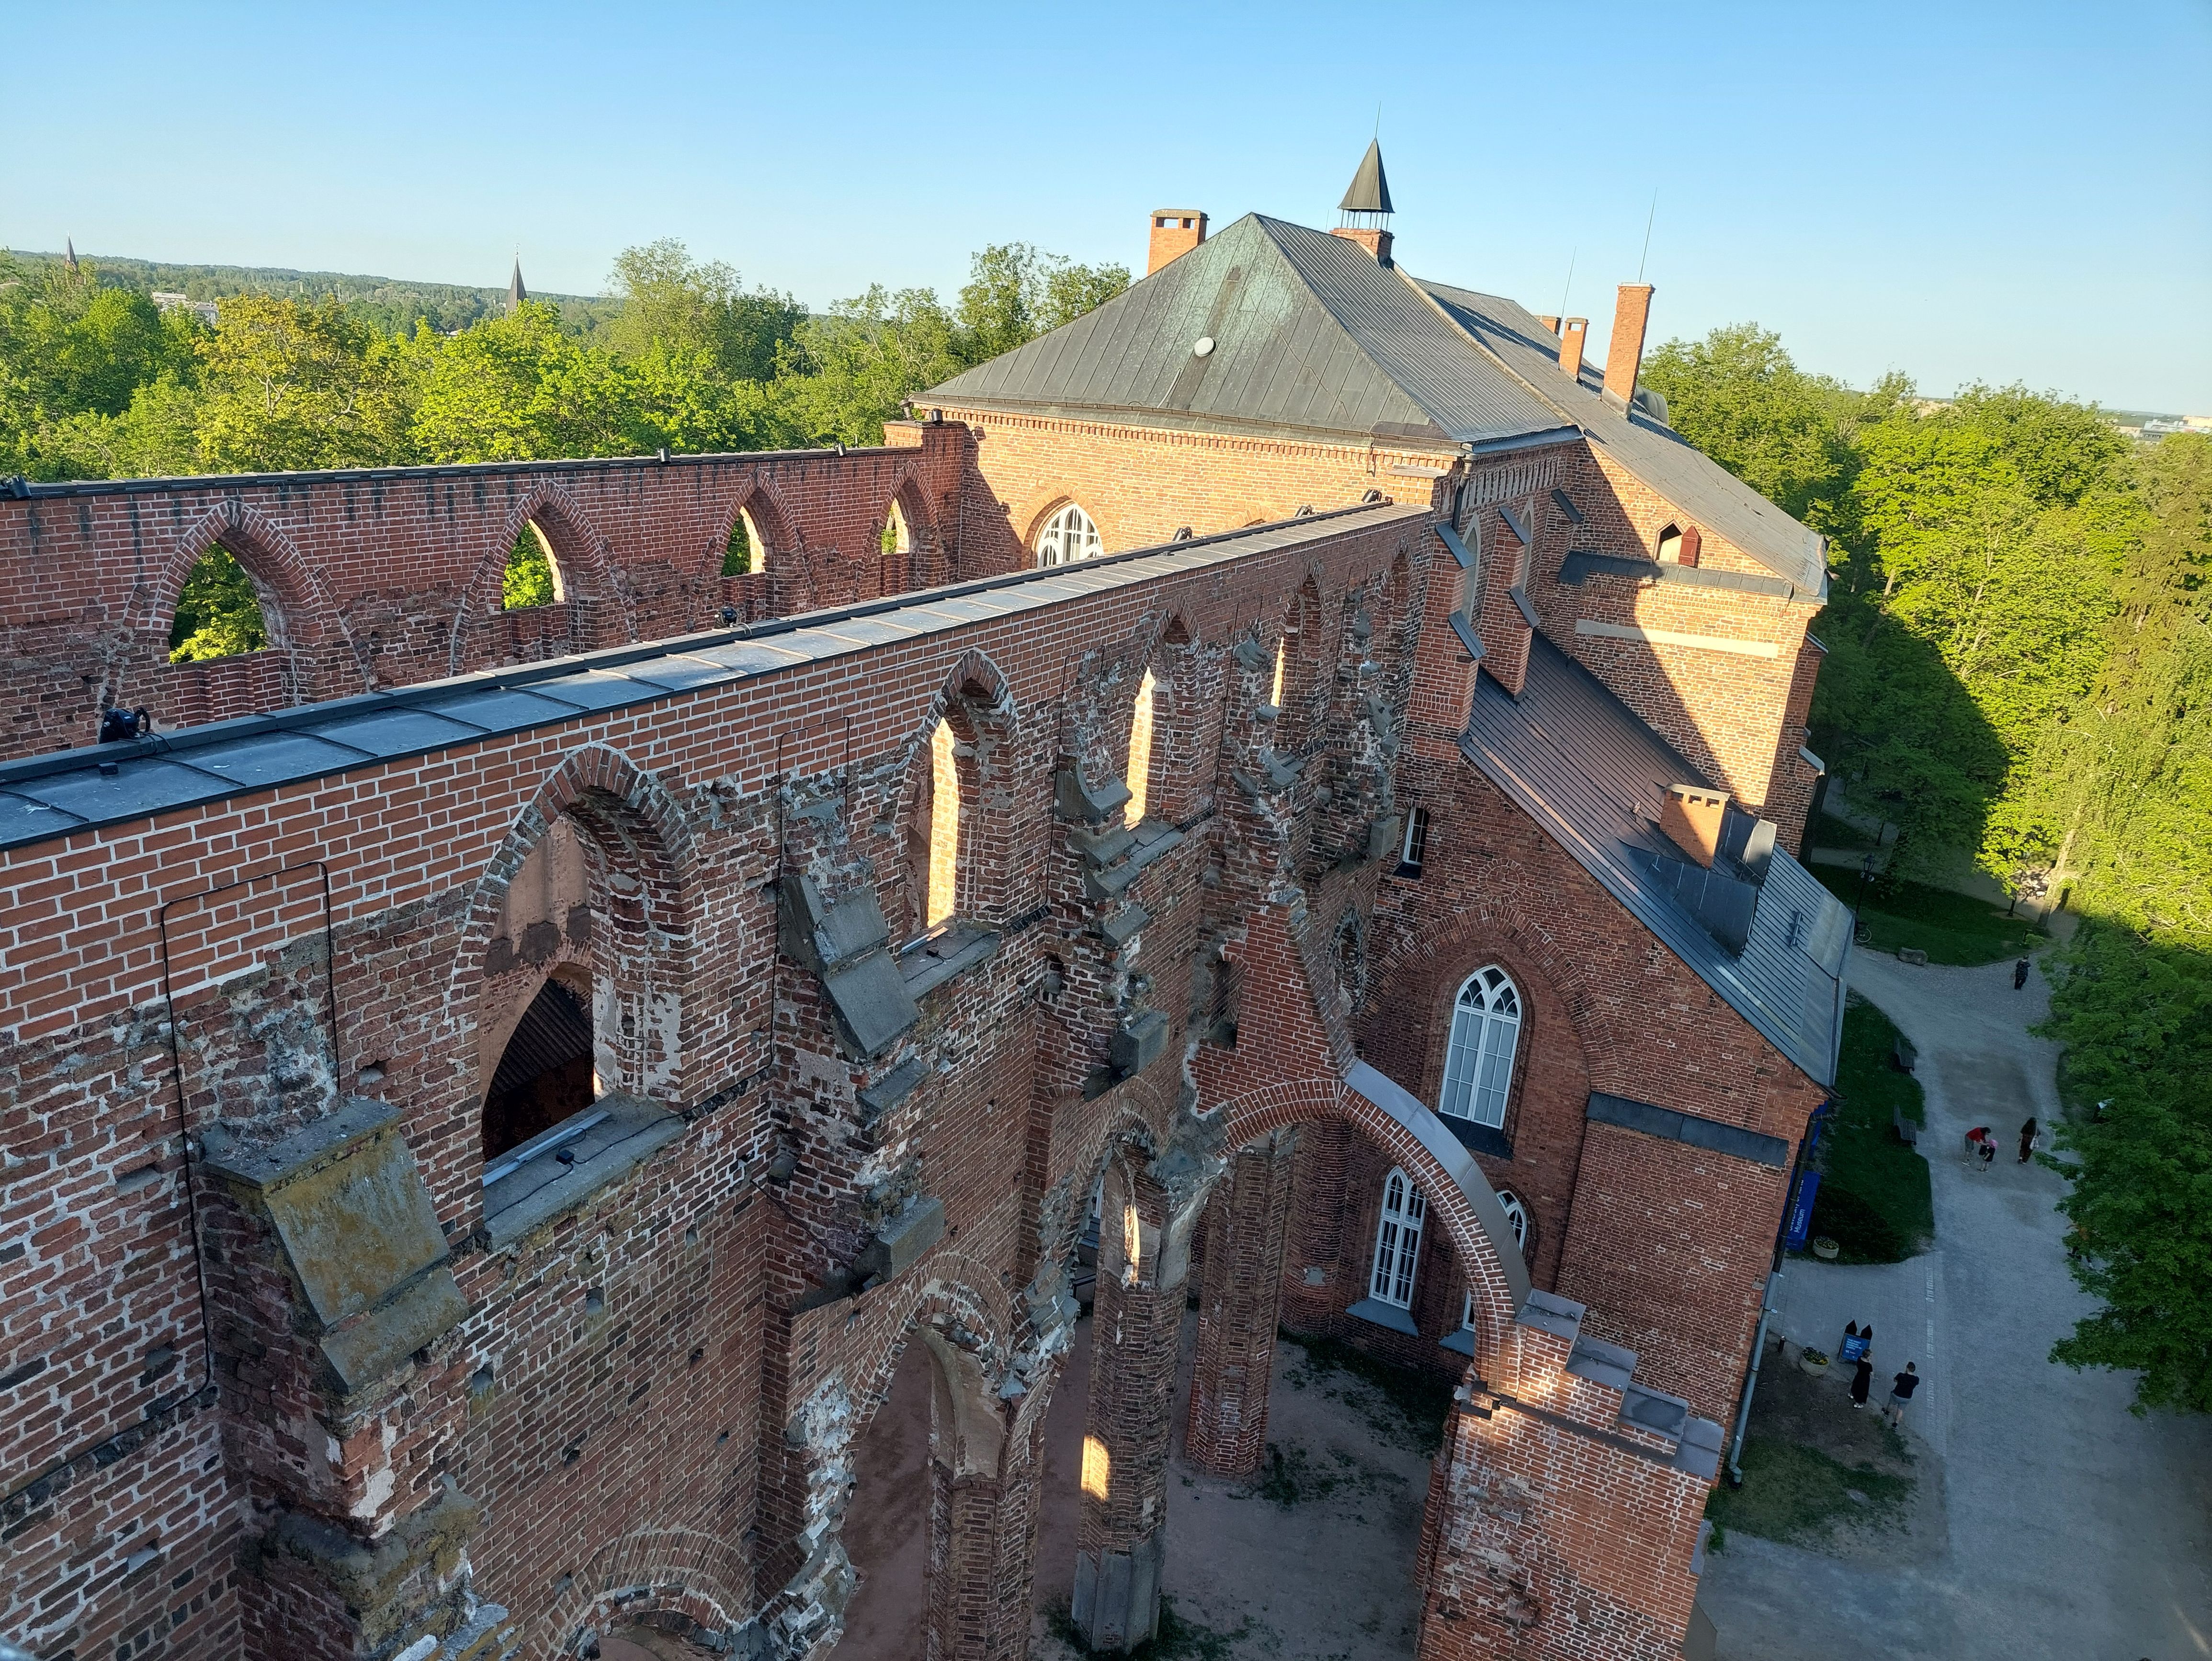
(1364,216)
(516,294)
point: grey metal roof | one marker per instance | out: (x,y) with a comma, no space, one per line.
(1309,336)
(1583,765)
(1654,452)
(44,797)
(1370,190)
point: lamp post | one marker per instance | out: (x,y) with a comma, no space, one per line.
(1866,873)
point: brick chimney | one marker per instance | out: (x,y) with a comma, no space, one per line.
(1176,232)
(1624,353)
(1690,817)
(1572,343)
(1373,238)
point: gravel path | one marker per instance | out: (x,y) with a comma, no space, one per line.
(2075,1529)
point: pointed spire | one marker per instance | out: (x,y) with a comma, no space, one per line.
(1370,192)
(69,253)
(516,294)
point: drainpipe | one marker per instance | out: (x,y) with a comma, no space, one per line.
(1773,1286)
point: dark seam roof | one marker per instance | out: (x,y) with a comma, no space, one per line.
(43,797)
(1310,336)
(1581,763)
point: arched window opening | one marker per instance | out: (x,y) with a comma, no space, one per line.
(546,1074)
(744,552)
(1397,1242)
(533,575)
(1479,1062)
(1517,1213)
(1275,687)
(1068,537)
(896,538)
(1670,546)
(1140,776)
(934,832)
(218,611)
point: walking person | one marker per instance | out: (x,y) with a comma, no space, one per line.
(1980,1145)
(1862,1381)
(1900,1393)
(2027,1133)
(2020,975)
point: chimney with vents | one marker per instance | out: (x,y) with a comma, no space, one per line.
(1365,210)
(1690,817)
(1624,353)
(1570,347)
(1176,232)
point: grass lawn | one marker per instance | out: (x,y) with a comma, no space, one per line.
(1796,1493)
(1874,1200)
(1951,928)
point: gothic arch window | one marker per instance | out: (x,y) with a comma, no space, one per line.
(1670,546)
(532,575)
(1486,1029)
(219,612)
(1140,776)
(1397,1241)
(896,536)
(745,551)
(1517,1213)
(933,831)
(1068,537)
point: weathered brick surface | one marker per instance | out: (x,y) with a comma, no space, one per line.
(651,1405)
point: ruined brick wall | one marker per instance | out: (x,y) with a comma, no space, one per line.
(390,577)
(648,1397)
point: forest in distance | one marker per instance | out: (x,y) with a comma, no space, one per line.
(2018,632)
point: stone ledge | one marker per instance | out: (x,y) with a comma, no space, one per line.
(1375,1312)
(544,1188)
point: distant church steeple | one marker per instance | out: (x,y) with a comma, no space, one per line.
(516,294)
(1364,216)
(69,253)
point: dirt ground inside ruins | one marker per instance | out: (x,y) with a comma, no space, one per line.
(1312,1562)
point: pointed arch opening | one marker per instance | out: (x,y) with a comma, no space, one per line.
(533,575)
(219,612)
(744,551)
(1139,775)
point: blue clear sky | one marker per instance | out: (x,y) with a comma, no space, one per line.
(1961,192)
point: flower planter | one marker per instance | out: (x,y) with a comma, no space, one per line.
(1824,1249)
(1814,1361)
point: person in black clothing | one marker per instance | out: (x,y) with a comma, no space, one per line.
(1900,1392)
(1861,1381)
(2026,1140)
(2020,975)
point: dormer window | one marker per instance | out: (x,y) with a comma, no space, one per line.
(1670,546)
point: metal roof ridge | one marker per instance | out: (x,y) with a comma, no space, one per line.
(1484,347)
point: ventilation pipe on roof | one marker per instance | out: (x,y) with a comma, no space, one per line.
(1176,232)
(1624,353)
(1571,346)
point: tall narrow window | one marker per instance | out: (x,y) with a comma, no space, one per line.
(1140,776)
(1275,687)
(744,552)
(534,576)
(1478,1063)
(1416,845)
(894,538)
(1397,1241)
(1068,537)
(944,827)
(218,612)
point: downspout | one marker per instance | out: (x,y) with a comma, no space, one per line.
(1766,1309)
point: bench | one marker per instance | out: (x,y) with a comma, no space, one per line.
(1902,1056)
(1907,1131)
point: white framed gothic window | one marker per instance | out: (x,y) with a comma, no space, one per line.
(1517,1213)
(1068,537)
(1486,1029)
(1397,1241)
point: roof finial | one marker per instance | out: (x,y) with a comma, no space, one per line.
(516,294)
(1367,202)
